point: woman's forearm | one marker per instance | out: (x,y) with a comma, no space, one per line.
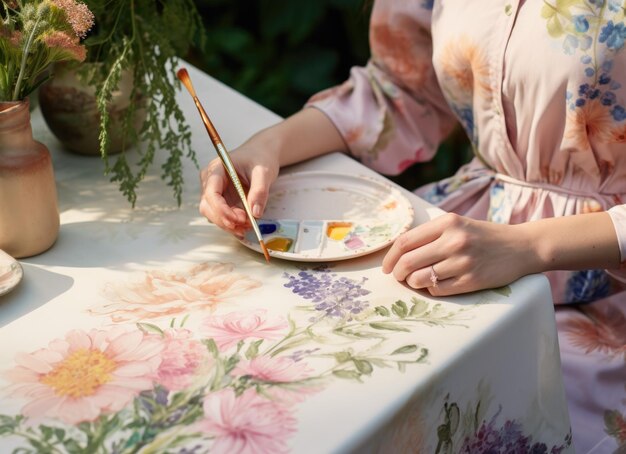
(584,241)
(304,135)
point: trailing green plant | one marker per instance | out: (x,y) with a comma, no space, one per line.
(35,34)
(145,37)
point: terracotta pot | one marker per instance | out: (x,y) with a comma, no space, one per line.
(29,214)
(68,104)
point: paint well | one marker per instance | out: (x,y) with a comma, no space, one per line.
(279,244)
(338,230)
(268,228)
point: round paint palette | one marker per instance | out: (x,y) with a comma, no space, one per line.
(10,272)
(323,216)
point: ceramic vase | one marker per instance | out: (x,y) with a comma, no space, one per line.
(29,214)
(68,105)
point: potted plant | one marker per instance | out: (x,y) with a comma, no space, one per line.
(133,49)
(33,35)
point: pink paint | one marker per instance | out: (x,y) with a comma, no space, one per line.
(354,242)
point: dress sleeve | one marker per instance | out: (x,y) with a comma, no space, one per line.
(392,113)
(618,216)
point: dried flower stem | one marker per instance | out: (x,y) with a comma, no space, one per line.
(29,43)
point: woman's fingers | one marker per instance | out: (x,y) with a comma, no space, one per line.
(260,181)
(449,276)
(213,204)
(417,259)
(418,237)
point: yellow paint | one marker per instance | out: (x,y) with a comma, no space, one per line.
(279,244)
(80,374)
(338,230)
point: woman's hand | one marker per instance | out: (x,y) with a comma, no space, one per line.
(465,254)
(257,166)
(304,135)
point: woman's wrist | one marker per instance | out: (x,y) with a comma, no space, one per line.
(583,241)
(532,249)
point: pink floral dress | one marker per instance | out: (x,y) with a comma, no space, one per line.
(540,88)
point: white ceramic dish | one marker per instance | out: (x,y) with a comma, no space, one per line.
(10,272)
(326,216)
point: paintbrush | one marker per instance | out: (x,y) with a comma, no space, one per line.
(183,75)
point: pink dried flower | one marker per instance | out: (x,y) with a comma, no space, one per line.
(78,15)
(16,38)
(64,42)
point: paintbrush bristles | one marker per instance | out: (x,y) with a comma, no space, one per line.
(266,253)
(183,75)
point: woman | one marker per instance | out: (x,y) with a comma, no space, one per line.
(540,88)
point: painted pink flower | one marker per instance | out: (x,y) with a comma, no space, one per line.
(183,359)
(277,369)
(162,294)
(284,375)
(248,423)
(227,330)
(86,374)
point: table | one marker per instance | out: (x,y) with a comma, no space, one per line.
(151,330)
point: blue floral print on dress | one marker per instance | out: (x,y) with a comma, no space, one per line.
(589,21)
(586,286)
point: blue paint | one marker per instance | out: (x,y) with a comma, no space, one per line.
(266,229)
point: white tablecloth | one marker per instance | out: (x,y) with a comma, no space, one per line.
(150,330)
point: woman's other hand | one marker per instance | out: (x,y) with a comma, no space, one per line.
(465,255)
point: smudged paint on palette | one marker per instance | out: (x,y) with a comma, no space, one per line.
(317,239)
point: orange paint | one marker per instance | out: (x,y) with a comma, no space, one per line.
(279,244)
(338,230)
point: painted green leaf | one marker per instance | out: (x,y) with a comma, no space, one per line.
(423,355)
(455,417)
(399,308)
(343,357)
(405,349)
(418,308)
(382,310)
(363,366)
(211,346)
(253,349)
(149,328)
(347,374)
(388,327)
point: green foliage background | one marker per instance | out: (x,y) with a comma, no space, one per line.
(280,52)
